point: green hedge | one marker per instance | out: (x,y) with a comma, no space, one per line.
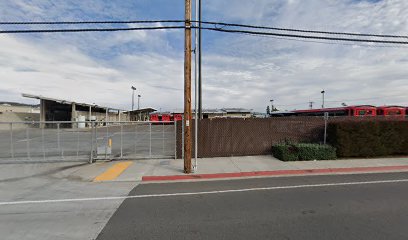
(369,138)
(303,152)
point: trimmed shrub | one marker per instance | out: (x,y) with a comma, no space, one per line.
(303,152)
(307,152)
(285,152)
(369,138)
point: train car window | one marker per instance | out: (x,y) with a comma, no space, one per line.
(394,112)
(361,112)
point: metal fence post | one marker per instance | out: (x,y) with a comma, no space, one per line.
(107,141)
(175,140)
(77,131)
(43,142)
(121,140)
(59,140)
(326,118)
(182,139)
(92,143)
(96,141)
(150,140)
(163,138)
(136,138)
(11,141)
(28,142)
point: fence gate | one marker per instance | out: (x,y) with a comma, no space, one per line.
(85,141)
(134,140)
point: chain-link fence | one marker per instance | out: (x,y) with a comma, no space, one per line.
(85,141)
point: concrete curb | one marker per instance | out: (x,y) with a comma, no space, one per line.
(273,173)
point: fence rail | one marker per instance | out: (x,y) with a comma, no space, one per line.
(85,141)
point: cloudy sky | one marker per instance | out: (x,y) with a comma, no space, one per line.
(238,70)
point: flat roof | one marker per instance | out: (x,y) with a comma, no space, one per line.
(62,101)
(149,109)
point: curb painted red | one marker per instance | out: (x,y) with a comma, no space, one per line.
(272,173)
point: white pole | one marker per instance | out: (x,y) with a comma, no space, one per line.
(196,89)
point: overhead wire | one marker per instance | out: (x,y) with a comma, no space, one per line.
(202,22)
(222,27)
(90,22)
(304,30)
(89,29)
(205,28)
(303,36)
(331,43)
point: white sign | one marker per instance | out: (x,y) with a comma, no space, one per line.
(187,123)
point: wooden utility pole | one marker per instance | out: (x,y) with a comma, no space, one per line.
(187,89)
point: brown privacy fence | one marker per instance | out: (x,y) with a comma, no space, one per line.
(240,137)
(244,137)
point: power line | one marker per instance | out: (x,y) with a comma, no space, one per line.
(305,31)
(259,33)
(90,22)
(202,22)
(330,43)
(303,36)
(89,29)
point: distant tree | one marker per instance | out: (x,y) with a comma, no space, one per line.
(268,110)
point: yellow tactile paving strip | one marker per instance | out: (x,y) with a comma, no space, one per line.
(113,172)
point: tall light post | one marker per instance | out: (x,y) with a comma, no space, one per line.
(323,92)
(271,104)
(133,97)
(138,101)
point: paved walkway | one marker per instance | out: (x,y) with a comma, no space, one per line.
(235,167)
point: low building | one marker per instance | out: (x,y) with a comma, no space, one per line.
(213,113)
(17,113)
(228,113)
(140,114)
(238,112)
(8,107)
(52,109)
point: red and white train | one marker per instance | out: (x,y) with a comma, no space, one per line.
(165,117)
(360,110)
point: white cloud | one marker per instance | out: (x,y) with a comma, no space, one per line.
(65,72)
(238,70)
(293,72)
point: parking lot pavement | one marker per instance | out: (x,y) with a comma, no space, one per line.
(55,220)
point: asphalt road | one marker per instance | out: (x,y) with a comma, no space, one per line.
(50,144)
(82,220)
(314,207)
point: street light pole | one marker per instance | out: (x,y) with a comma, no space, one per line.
(196,101)
(271,105)
(322,92)
(200,98)
(133,97)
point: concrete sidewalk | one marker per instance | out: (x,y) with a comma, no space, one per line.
(143,169)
